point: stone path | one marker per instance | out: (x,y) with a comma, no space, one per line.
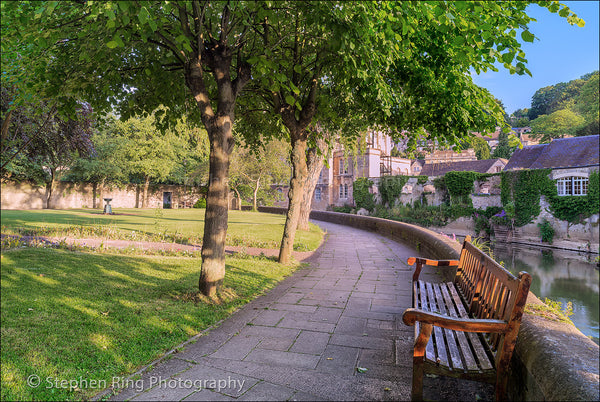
(331,331)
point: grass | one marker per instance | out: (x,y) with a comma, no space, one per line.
(78,318)
(72,315)
(185,226)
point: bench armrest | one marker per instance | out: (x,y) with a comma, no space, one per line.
(412,315)
(425,261)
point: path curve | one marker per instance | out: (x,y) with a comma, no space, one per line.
(330,331)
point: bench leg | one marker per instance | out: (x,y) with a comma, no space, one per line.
(418,359)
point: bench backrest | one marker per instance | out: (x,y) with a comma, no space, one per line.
(492,292)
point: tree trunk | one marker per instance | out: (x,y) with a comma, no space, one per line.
(215,218)
(94,194)
(145,193)
(50,188)
(254,206)
(297,182)
(239,199)
(315,162)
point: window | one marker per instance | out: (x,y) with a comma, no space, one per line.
(317,194)
(343,168)
(343,191)
(573,185)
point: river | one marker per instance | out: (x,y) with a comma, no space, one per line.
(559,275)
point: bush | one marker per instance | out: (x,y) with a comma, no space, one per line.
(347,209)
(362,196)
(201,203)
(546,231)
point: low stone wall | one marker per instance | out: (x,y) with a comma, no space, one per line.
(82,195)
(552,361)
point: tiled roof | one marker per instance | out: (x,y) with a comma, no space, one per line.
(560,153)
(440,169)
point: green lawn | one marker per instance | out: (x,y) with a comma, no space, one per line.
(70,315)
(250,229)
(92,316)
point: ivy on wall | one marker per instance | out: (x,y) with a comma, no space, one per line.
(574,208)
(362,196)
(521,191)
(460,186)
(390,188)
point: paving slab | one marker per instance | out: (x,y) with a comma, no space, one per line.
(305,339)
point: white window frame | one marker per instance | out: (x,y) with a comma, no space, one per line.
(318,194)
(343,191)
(572,185)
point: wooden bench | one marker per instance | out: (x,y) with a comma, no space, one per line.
(466,328)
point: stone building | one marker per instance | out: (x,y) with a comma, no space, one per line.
(571,161)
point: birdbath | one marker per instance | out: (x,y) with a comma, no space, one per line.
(107,207)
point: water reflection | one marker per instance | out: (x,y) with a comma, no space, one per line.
(565,276)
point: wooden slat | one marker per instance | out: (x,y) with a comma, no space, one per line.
(438,332)
(467,354)
(449,335)
(496,269)
(424,304)
(482,357)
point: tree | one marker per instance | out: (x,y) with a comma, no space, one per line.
(137,56)
(401,64)
(140,55)
(257,168)
(40,146)
(107,164)
(504,149)
(150,154)
(556,125)
(481,148)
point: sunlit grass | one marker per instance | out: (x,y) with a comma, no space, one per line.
(186,226)
(72,315)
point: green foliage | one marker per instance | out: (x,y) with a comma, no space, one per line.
(362,196)
(523,189)
(566,108)
(504,148)
(347,209)
(422,179)
(390,188)
(520,192)
(546,231)
(201,203)
(556,125)
(460,186)
(574,208)
(460,183)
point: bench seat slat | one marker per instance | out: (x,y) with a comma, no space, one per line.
(467,353)
(422,302)
(482,357)
(449,335)
(440,344)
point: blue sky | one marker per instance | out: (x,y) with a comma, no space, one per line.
(563,52)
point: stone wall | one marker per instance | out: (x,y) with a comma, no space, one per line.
(82,195)
(552,360)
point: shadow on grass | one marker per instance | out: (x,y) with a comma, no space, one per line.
(69,316)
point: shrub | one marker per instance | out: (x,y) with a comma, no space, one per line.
(546,231)
(362,196)
(201,203)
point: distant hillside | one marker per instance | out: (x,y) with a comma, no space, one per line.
(569,108)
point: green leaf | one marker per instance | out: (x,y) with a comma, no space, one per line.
(362,369)
(112,44)
(143,16)
(289,99)
(527,36)
(508,57)
(298,68)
